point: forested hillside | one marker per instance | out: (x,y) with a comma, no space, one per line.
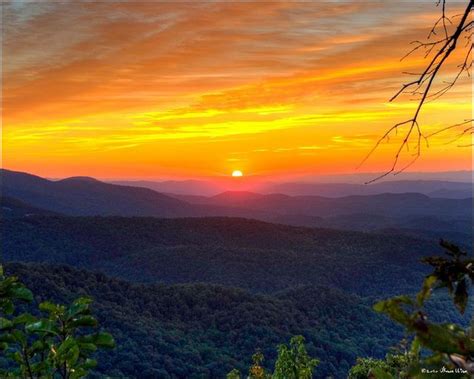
(202,330)
(235,252)
(13,208)
(195,297)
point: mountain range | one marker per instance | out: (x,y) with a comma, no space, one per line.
(403,212)
(432,188)
(187,295)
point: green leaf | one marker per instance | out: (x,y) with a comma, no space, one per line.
(379,373)
(84,300)
(19,336)
(425,291)
(446,338)
(84,321)
(22,293)
(7,338)
(415,347)
(104,340)
(78,373)
(87,347)
(24,318)
(68,351)
(42,326)
(79,306)
(89,363)
(49,307)
(5,324)
(16,356)
(234,374)
(38,346)
(380,306)
(7,306)
(395,309)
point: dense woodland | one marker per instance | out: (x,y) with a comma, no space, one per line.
(202,330)
(206,329)
(236,252)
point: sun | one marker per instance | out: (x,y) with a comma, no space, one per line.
(237,173)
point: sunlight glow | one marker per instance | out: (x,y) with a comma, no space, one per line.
(289,89)
(237,173)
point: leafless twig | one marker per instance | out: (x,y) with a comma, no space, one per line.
(439,50)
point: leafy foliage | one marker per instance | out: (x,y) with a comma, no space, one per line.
(54,345)
(454,273)
(293,362)
(396,362)
(365,366)
(450,346)
(11,290)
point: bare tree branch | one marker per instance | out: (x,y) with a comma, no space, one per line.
(439,50)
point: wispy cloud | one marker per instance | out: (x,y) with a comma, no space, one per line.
(135,77)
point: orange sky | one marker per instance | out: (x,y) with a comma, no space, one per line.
(150,90)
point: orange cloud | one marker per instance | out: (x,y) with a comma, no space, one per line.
(157,83)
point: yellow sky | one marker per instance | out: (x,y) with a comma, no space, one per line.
(201,89)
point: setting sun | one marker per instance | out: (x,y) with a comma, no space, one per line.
(237,173)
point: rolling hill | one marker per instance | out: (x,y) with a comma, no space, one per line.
(84,196)
(80,196)
(13,208)
(203,330)
(435,217)
(249,254)
(433,188)
(87,196)
(386,204)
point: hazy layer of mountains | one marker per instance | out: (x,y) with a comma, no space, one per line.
(390,212)
(432,188)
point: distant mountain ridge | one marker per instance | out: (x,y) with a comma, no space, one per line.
(432,188)
(447,218)
(84,196)
(179,187)
(387,204)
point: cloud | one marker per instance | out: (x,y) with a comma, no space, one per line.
(91,57)
(122,75)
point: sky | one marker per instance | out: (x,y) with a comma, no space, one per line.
(187,90)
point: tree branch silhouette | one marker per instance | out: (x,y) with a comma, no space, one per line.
(449,37)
